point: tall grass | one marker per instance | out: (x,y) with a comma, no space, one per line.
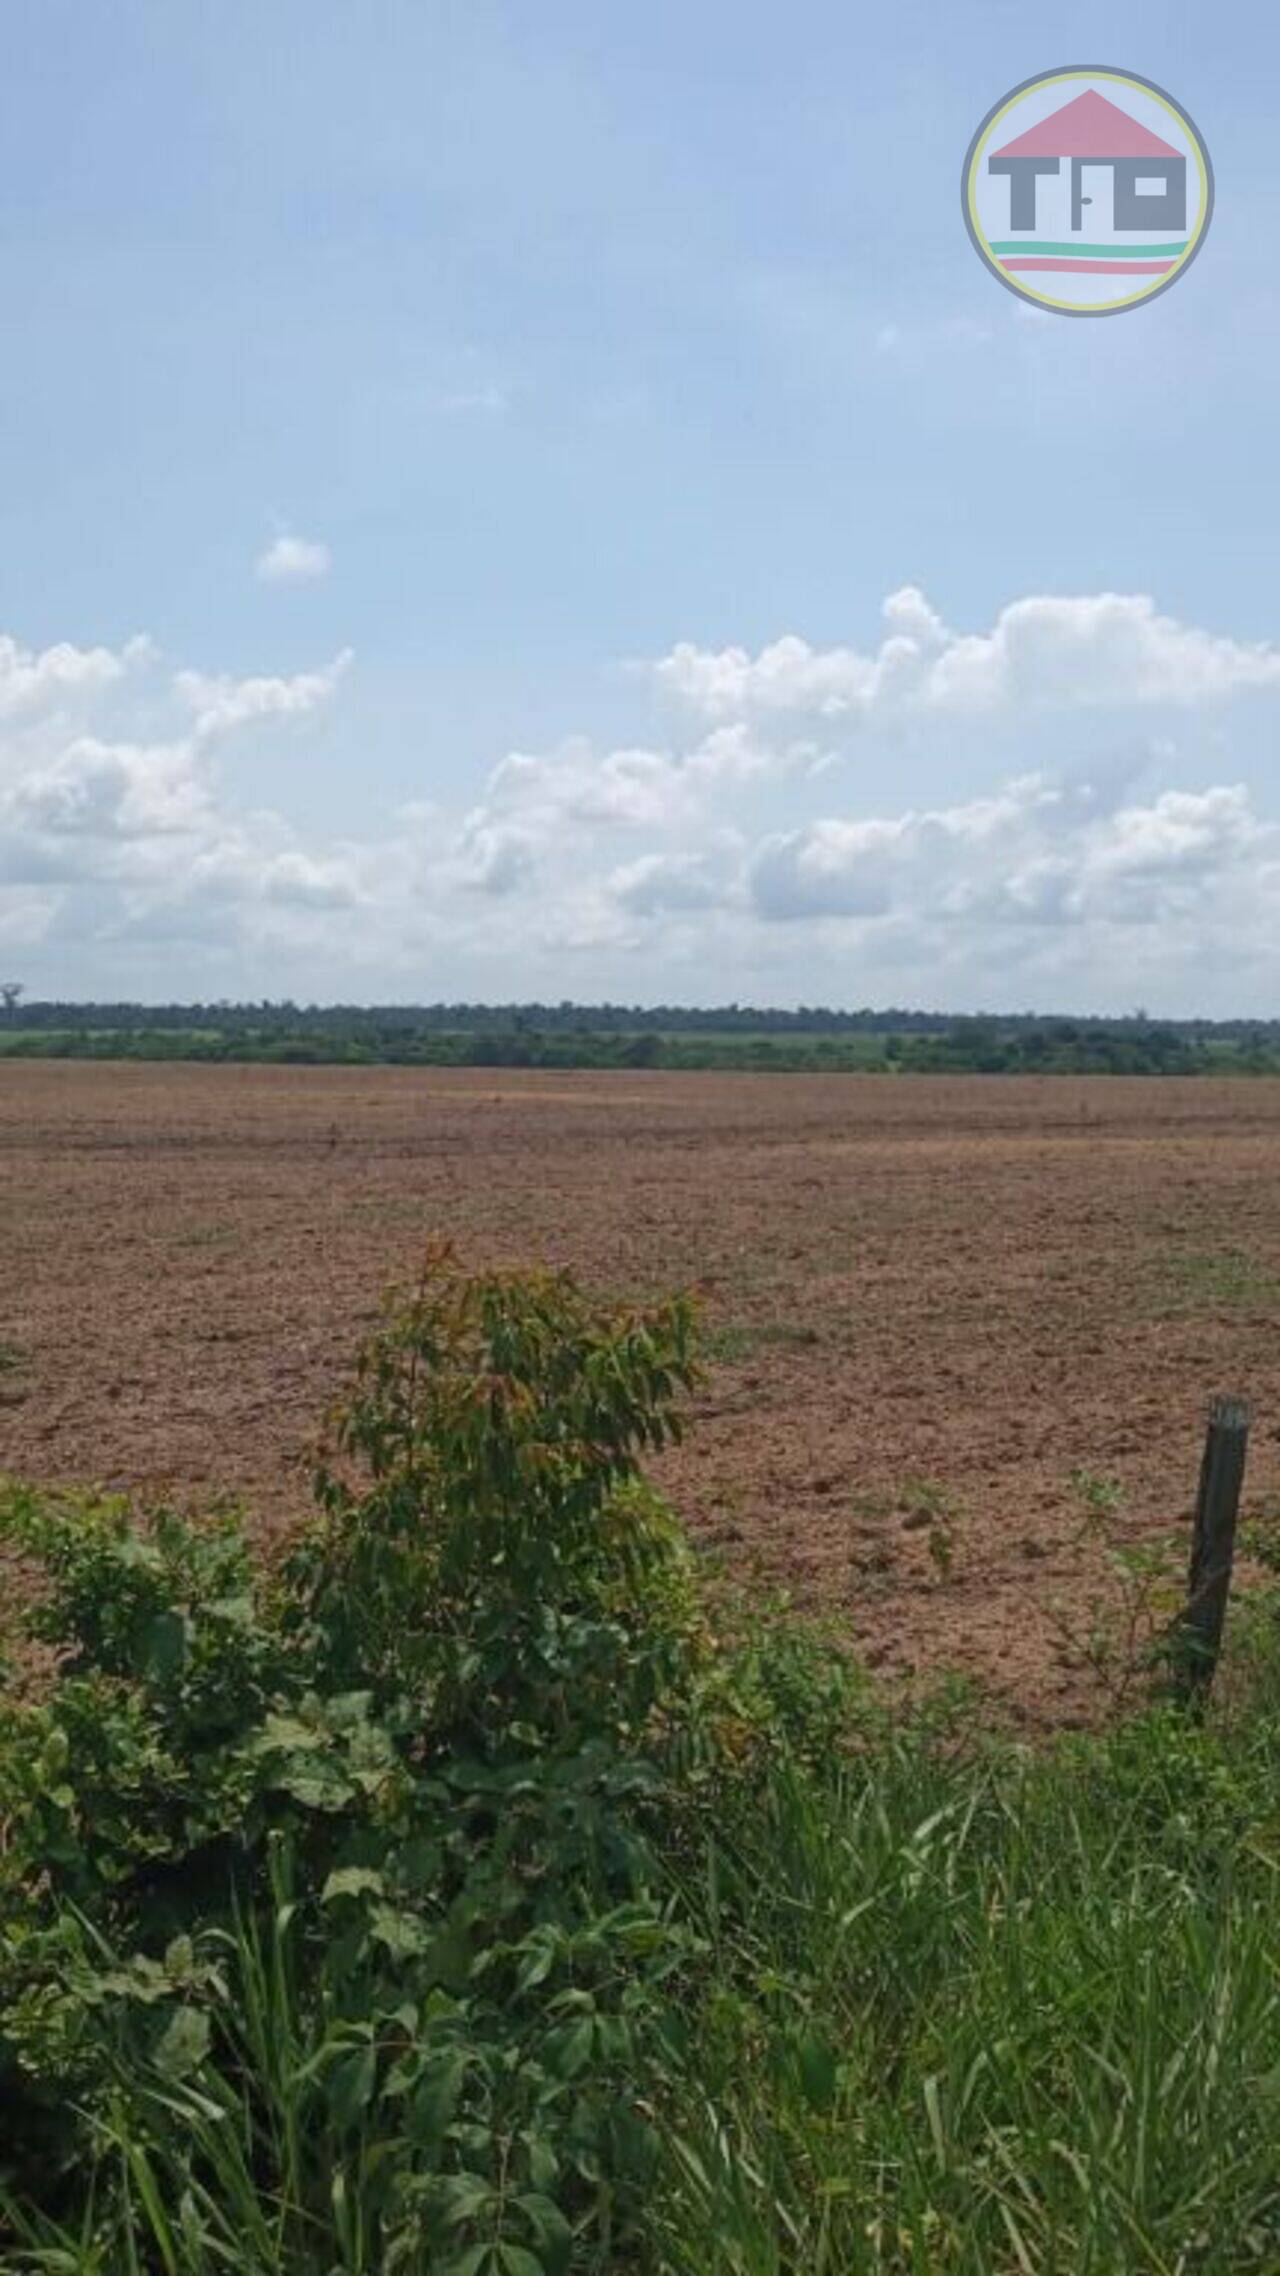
(988,2011)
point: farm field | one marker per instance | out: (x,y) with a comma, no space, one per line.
(928,1300)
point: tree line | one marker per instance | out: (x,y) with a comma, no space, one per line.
(726,1036)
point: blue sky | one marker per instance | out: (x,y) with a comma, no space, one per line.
(560,352)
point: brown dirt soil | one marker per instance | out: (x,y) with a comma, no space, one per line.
(920,1292)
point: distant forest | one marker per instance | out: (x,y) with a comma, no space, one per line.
(726,1036)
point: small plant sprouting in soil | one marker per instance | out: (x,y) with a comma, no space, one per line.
(929,1507)
(736,1340)
(941,1547)
(1120,1624)
(1260,1537)
(793,1335)
(870,1505)
(211,1236)
(14,1361)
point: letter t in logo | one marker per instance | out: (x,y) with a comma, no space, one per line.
(1022,174)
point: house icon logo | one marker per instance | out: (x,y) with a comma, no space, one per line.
(1087,191)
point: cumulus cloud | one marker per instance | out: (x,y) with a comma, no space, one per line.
(241,866)
(659,883)
(142,819)
(290,560)
(624,789)
(96,789)
(493,857)
(1037,853)
(34,680)
(1093,650)
(721,860)
(220,704)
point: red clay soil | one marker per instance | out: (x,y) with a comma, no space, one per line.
(922,1294)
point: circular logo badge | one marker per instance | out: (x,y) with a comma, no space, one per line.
(1087,191)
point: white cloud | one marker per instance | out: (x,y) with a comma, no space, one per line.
(220,704)
(301,880)
(491,857)
(33,680)
(659,883)
(729,863)
(106,832)
(290,560)
(1037,853)
(96,789)
(625,789)
(1095,650)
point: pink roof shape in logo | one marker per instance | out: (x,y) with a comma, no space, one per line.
(1088,127)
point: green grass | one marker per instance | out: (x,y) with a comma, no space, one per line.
(1219,1280)
(926,1500)
(15,1360)
(734,1341)
(209,1236)
(990,2012)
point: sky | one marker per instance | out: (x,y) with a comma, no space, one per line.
(510,501)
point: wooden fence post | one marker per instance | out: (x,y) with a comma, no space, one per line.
(1198,1634)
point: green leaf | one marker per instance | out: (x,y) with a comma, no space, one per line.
(518,2262)
(465,2197)
(468,2263)
(283,1734)
(315,1783)
(436,2095)
(551,2230)
(544,2165)
(569,2049)
(352,1881)
(933,2109)
(183,2043)
(351,2086)
(399,1934)
(539,1958)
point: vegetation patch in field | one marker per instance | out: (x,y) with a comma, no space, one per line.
(14,1363)
(1222,1279)
(210,1236)
(733,1341)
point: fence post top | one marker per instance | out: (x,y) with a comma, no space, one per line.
(1229,1413)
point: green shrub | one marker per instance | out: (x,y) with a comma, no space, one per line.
(406,1783)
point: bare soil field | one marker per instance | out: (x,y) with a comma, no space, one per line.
(923,1296)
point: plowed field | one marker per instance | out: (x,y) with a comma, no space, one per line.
(928,1300)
